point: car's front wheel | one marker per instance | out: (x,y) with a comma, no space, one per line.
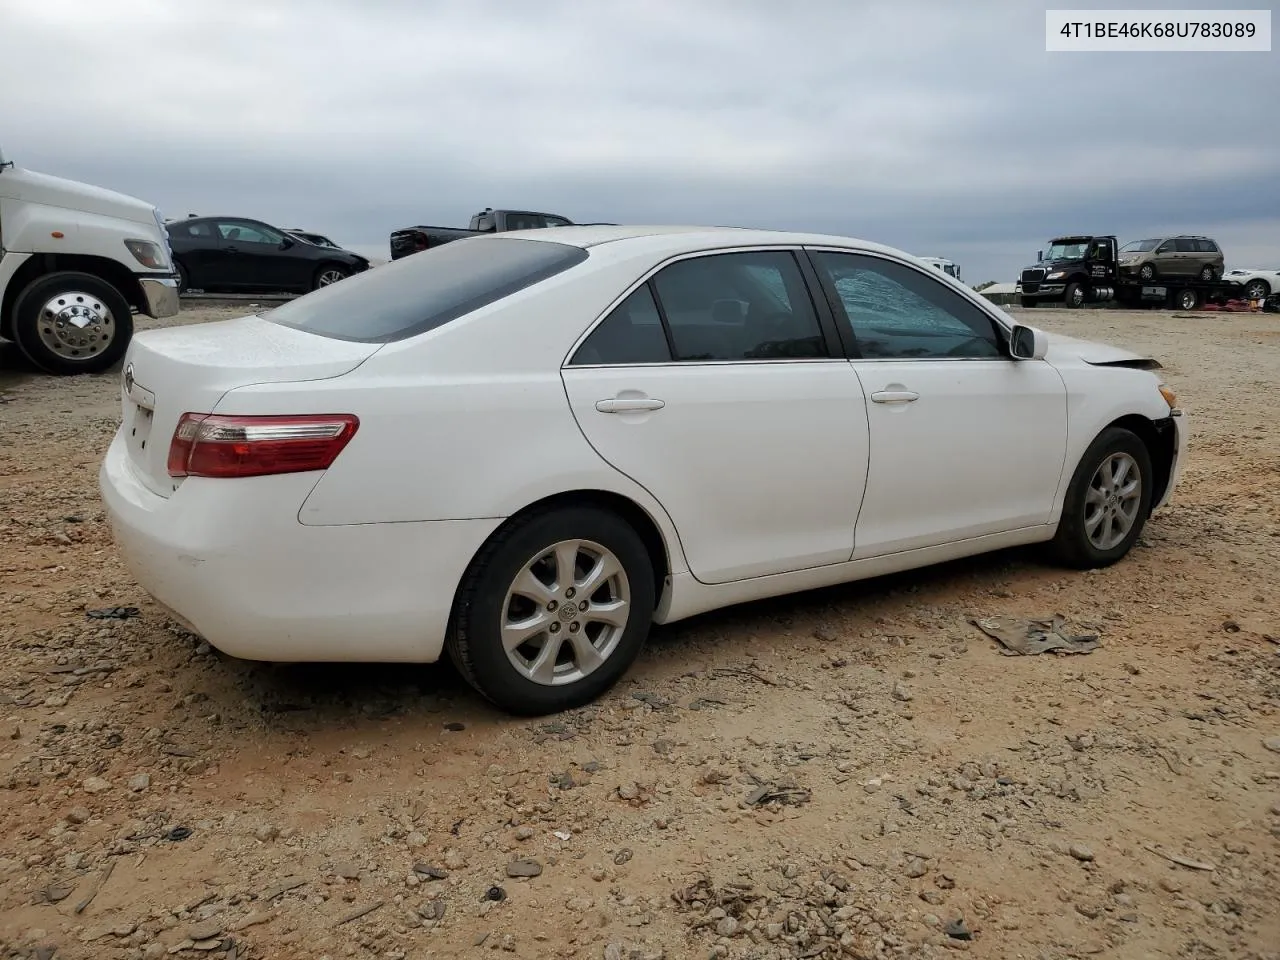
(553,610)
(1147,272)
(1107,503)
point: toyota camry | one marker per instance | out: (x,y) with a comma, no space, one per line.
(526,450)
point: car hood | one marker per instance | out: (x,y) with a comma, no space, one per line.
(1048,266)
(1070,348)
(41,188)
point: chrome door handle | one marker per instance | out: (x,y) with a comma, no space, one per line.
(895,396)
(629,404)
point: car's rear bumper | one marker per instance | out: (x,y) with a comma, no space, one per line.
(231,560)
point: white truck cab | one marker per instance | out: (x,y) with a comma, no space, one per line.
(949,267)
(76,261)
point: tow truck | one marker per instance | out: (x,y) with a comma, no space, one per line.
(1082,270)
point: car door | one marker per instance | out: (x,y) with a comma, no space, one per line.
(196,245)
(717,386)
(1167,261)
(964,440)
(252,257)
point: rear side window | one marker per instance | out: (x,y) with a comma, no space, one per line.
(631,334)
(419,293)
(1187,246)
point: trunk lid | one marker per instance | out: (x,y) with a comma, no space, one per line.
(189,369)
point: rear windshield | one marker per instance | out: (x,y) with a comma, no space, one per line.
(425,290)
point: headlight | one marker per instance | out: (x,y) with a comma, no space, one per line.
(148,254)
(1170,397)
(1056,275)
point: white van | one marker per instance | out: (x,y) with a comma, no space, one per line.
(75,262)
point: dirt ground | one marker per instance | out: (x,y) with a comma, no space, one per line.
(855,772)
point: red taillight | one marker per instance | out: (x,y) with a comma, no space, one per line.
(213,445)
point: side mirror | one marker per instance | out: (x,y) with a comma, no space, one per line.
(286,243)
(1039,256)
(1028,343)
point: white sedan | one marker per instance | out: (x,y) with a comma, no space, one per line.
(1258,284)
(529,449)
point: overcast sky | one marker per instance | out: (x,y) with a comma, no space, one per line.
(938,126)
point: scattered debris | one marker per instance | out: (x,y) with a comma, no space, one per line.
(359,912)
(97,886)
(113,613)
(768,793)
(1183,861)
(1032,637)
(284,886)
(524,868)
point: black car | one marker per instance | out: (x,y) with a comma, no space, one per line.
(235,253)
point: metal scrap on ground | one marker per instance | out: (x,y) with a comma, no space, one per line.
(1030,637)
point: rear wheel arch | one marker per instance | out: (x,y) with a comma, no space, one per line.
(624,507)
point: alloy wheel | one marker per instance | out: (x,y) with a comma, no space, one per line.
(565,612)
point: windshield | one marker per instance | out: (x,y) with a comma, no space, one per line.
(1066,250)
(1140,246)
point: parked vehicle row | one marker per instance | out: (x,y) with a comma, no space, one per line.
(236,253)
(76,262)
(656,387)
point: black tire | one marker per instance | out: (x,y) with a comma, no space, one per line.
(329,270)
(475,637)
(1257,290)
(1029,302)
(1187,299)
(184,279)
(1147,272)
(97,355)
(1075,296)
(1071,546)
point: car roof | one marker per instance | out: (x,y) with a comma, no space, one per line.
(675,239)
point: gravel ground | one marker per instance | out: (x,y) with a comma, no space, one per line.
(855,772)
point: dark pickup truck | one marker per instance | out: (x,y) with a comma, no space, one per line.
(414,239)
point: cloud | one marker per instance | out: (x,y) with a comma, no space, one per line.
(940,127)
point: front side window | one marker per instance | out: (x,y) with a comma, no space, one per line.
(1139,246)
(898,313)
(1166,247)
(241,232)
(739,306)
